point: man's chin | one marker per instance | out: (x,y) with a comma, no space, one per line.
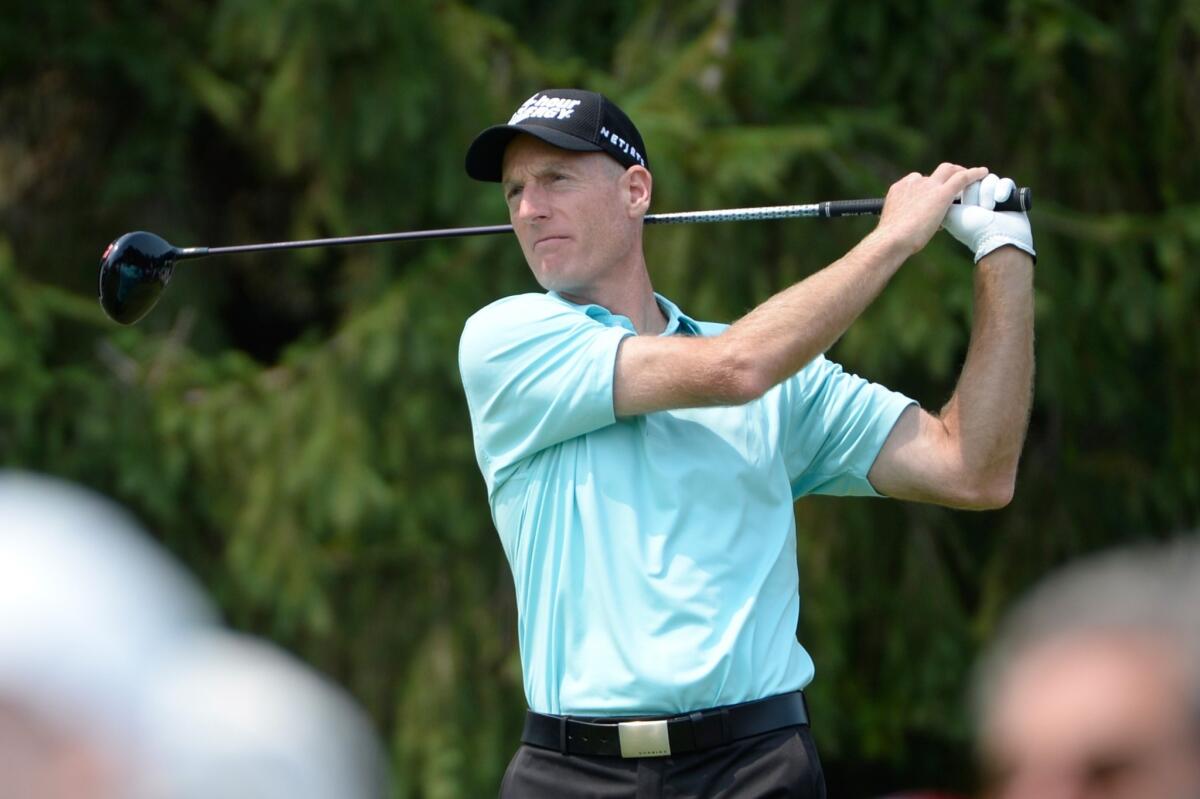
(556,287)
(551,278)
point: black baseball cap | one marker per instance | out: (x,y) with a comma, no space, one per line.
(572,119)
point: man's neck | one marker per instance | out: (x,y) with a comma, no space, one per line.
(626,291)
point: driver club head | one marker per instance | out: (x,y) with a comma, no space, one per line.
(134,270)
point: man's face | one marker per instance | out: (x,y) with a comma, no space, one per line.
(1093,717)
(570,213)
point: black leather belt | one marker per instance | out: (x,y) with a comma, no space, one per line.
(664,735)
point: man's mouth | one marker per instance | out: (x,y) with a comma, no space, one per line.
(548,240)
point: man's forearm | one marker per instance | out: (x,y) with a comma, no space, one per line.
(780,336)
(989,411)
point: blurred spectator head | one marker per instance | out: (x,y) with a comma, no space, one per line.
(87,605)
(1092,688)
(232,716)
(116,683)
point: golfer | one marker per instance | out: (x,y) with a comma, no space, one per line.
(641,465)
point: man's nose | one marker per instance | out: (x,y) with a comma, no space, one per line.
(533,205)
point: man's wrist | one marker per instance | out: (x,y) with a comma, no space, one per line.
(1005,257)
(886,248)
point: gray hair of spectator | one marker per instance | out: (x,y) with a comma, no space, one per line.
(87,602)
(232,716)
(1148,592)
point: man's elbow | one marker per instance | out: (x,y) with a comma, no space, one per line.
(738,374)
(989,492)
(743,379)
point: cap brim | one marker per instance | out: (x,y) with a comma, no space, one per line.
(485,156)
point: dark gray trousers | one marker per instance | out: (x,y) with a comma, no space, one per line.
(775,765)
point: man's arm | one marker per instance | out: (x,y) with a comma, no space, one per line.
(966,455)
(776,339)
(768,345)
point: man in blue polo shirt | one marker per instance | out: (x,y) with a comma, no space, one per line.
(641,465)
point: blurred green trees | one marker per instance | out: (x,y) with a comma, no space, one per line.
(293,427)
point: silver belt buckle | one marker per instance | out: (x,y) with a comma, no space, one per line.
(644,738)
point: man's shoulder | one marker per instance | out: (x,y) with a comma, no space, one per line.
(506,313)
(518,318)
(508,307)
(517,309)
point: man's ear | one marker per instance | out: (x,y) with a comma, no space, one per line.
(637,186)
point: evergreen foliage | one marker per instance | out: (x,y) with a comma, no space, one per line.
(293,426)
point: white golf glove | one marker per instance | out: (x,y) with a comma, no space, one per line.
(976,225)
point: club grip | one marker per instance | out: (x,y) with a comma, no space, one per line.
(832,208)
(1021,200)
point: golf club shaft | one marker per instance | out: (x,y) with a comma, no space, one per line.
(443,233)
(1021,201)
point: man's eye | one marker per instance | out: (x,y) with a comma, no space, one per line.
(512,193)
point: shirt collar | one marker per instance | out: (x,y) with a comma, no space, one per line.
(678,323)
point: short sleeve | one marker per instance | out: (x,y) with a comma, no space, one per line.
(536,372)
(834,426)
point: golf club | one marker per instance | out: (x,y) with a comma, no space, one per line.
(136,267)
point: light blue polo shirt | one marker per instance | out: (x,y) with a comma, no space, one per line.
(654,557)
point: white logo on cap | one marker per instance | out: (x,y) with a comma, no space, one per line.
(621,144)
(542,107)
